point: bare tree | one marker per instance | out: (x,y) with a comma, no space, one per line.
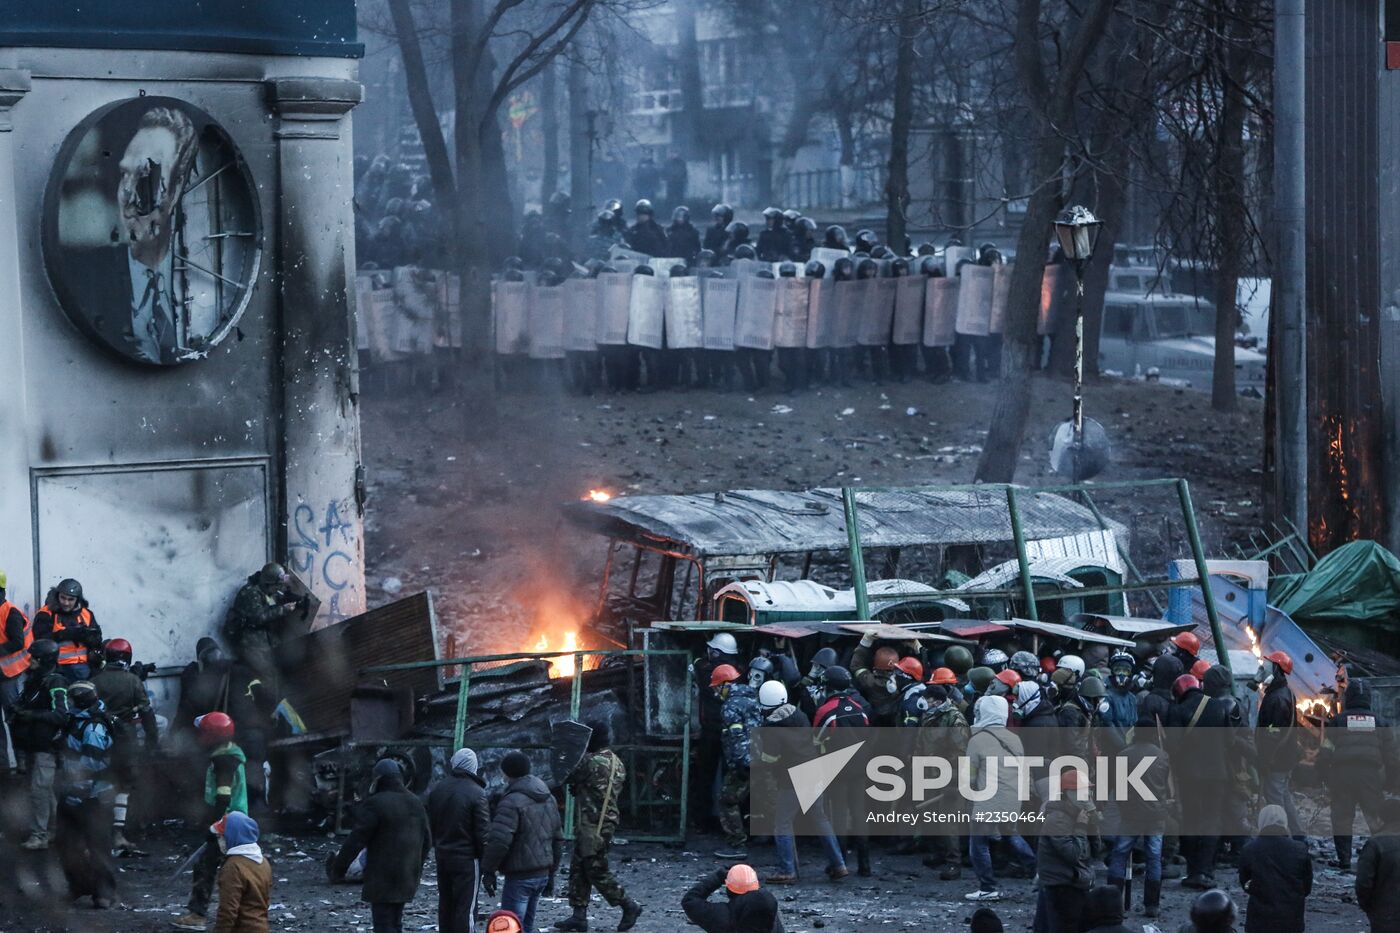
(1051,107)
(901,120)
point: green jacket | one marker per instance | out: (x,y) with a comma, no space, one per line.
(597,783)
(226,777)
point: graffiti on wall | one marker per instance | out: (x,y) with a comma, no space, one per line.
(321,550)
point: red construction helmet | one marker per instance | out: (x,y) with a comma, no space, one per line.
(214,728)
(1048,665)
(1282,659)
(1184,683)
(912,667)
(1198,670)
(1010,678)
(944,675)
(723,674)
(117,649)
(1187,641)
(886,659)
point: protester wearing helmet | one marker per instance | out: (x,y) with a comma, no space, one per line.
(128,705)
(1025,664)
(68,620)
(761,670)
(225,790)
(41,711)
(995,658)
(874,670)
(739,716)
(779,713)
(909,676)
(256,624)
(1122,699)
(720,649)
(84,792)
(748,906)
(1004,683)
(944,734)
(842,711)
(1276,736)
(1197,742)
(1212,912)
(1186,646)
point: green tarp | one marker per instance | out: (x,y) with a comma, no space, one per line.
(1358,582)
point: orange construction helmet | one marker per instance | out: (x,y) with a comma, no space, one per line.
(911,666)
(1182,684)
(1198,670)
(886,659)
(504,921)
(1282,659)
(214,728)
(1187,641)
(724,674)
(741,880)
(1010,678)
(943,675)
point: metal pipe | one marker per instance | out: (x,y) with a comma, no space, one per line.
(1290,269)
(1074,470)
(1022,560)
(848,505)
(1203,575)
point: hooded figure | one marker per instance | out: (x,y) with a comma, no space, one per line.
(748,910)
(460,817)
(1037,722)
(245,878)
(991,742)
(1276,871)
(1378,873)
(1158,701)
(391,827)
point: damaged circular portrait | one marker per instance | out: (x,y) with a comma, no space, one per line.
(151,231)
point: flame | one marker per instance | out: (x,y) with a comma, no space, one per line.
(1314,708)
(563,665)
(598,495)
(1253,641)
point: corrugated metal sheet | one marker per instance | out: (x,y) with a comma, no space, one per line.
(763,521)
(401,632)
(1343,296)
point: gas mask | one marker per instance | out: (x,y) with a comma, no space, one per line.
(815,672)
(1103,707)
(1265,675)
(891,684)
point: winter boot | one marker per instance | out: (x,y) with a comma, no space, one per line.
(35,843)
(631,910)
(578,922)
(1151,898)
(190,921)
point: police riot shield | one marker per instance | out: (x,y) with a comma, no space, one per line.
(845,298)
(568,743)
(1056,291)
(512,303)
(546,322)
(753,324)
(685,324)
(415,294)
(940,312)
(447,324)
(827,257)
(662,266)
(790,320)
(380,322)
(623,254)
(952,255)
(876,311)
(581,314)
(624,266)
(819,317)
(975,301)
(719,300)
(615,307)
(646,313)
(1001,291)
(908,309)
(744,268)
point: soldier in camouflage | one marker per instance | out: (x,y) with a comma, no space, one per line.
(596,784)
(740,714)
(253,626)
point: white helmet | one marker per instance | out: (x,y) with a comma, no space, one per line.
(772,694)
(723,643)
(1074,663)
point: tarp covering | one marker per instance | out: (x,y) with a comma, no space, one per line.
(1357,582)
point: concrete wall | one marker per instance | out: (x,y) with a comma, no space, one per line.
(162,488)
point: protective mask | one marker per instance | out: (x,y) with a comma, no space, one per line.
(756,679)
(1265,674)
(1103,707)
(815,672)
(223,844)
(891,686)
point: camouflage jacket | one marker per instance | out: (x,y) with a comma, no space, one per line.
(944,732)
(253,613)
(590,784)
(740,714)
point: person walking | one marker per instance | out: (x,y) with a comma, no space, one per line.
(1356,758)
(1062,867)
(748,908)
(391,828)
(1276,736)
(740,715)
(84,789)
(524,842)
(1201,728)
(597,784)
(990,742)
(460,818)
(43,706)
(128,704)
(1276,872)
(225,790)
(1378,873)
(245,879)
(1141,820)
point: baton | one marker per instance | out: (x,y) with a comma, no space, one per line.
(184,866)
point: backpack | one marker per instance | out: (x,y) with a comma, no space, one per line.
(842,710)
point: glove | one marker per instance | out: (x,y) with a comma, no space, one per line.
(867,640)
(488,884)
(720,876)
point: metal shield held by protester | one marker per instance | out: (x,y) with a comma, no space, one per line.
(646,314)
(1086,462)
(1001,294)
(568,743)
(719,299)
(547,322)
(684,323)
(790,318)
(615,307)
(975,301)
(819,316)
(581,314)
(758,303)
(908,309)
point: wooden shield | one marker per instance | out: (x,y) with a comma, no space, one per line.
(908,309)
(758,301)
(614,308)
(685,324)
(975,301)
(646,313)
(719,300)
(940,312)
(790,321)
(547,322)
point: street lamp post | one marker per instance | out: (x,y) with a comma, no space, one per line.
(1078,232)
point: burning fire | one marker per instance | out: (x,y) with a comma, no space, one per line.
(598,495)
(1253,641)
(563,665)
(1309,708)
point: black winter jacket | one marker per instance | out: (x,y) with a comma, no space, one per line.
(1378,882)
(1277,872)
(647,237)
(1199,737)
(754,912)
(1158,701)
(460,817)
(1062,858)
(526,835)
(392,826)
(1276,738)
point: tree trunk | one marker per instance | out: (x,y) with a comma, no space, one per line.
(1113,196)
(804,111)
(580,146)
(897,185)
(549,111)
(420,99)
(846,174)
(1230,212)
(690,126)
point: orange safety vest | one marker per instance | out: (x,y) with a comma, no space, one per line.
(69,652)
(16,663)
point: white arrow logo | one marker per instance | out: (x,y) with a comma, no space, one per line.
(811,778)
